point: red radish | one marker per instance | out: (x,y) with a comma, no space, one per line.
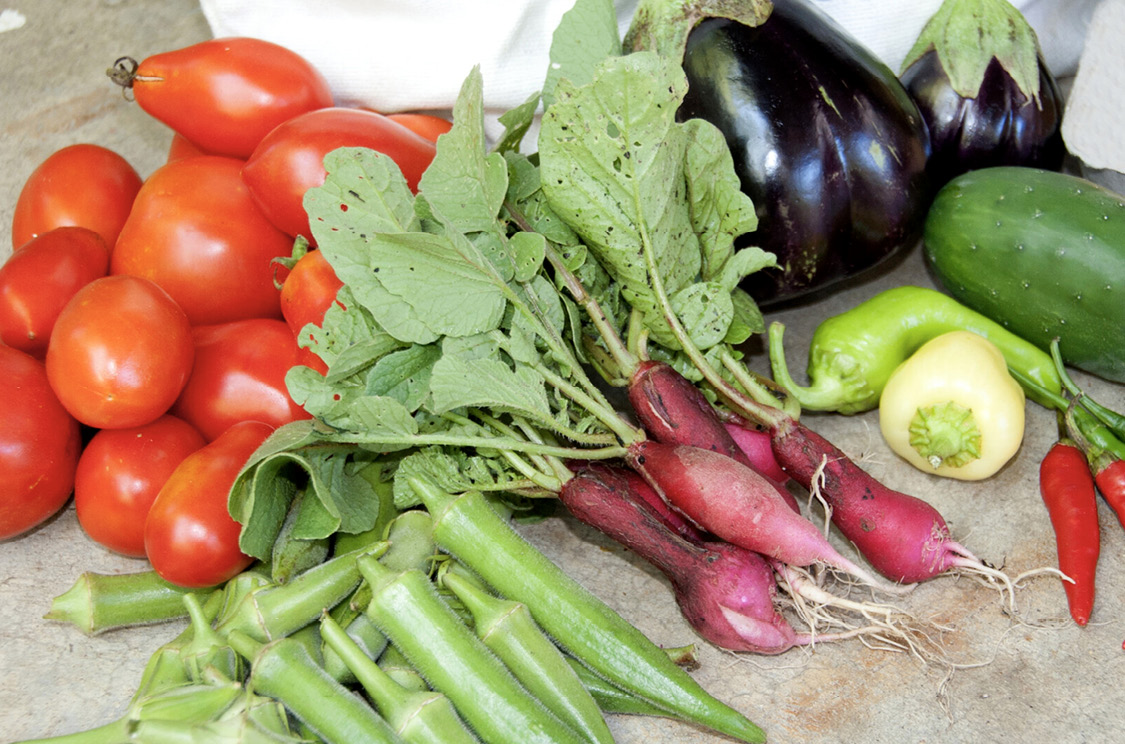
(902,536)
(672,410)
(725,593)
(755,444)
(738,505)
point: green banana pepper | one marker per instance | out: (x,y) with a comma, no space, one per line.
(853,354)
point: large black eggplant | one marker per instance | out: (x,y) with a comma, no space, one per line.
(826,141)
(981,114)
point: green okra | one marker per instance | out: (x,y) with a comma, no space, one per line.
(418,717)
(99,602)
(274,611)
(611,698)
(509,631)
(468,528)
(283,670)
(399,668)
(410,544)
(406,606)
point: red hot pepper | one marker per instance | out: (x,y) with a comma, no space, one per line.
(1068,490)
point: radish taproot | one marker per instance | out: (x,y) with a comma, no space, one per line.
(903,537)
(673,410)
(727,596)
(733,502)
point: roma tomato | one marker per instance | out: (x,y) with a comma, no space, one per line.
(429,126)
(195,231)
(290,160)
(85,184)
(119,474)
(39,446)
(308,292)
(181,147)
(239,375)
(120,353)
(41,277)
(224,95)
(191,539)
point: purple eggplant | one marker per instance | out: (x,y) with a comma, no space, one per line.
(825,139)
(992,101)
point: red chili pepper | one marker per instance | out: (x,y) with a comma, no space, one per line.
(1109,475)
(1069,492)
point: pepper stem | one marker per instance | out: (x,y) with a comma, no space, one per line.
(945,434)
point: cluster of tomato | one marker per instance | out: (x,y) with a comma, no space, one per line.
(148,324)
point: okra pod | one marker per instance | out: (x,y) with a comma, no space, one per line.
(509,631)
(406,606)
(611,698)
(418,717)
(275,611)
(99,602)
(399,668)
(467,527)
(409,545)
(283,670)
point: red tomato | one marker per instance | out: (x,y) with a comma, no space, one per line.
(429,126)
(85,185)
(120,353)
(39,446)
(224,95)
(308,292)
(181,147)
(190,537)
(239,375)
(290,159)
(119,474)
(41,277)
(195,231)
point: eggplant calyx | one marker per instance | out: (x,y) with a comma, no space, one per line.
(968,34)
(663,25)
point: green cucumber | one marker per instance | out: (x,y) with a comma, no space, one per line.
(1041,253)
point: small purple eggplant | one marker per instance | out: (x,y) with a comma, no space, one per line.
(985,91)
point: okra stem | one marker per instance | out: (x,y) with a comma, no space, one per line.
(99,602)
(507,628)
(406,606)
(283,670)
(467,527)
(418,717)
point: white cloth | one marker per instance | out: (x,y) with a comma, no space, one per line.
(394,55)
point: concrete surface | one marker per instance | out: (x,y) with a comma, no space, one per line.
(1031,676)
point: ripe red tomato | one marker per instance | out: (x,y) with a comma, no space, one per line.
(120,353)
(429,126)
(224,95)
(119,475)
(239,375)
(39,446)
(190,537)
(308,292)
(290,159)
(41,277)
(181,147)
(195,231)
(85,185)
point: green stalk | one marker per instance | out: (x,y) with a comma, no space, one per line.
(417,717)
(432,637)
(284,670)
(470,530)
(507,628)
(99,602)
